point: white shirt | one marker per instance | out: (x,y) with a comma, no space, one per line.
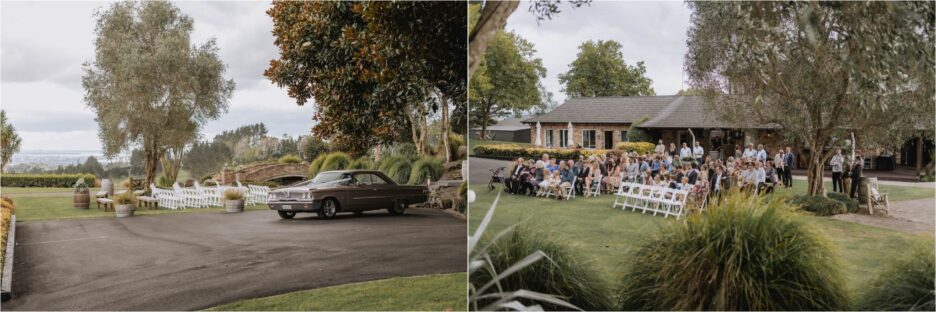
(762,155)
(778,161)
(698,152)
(660,148)
(836,163)
(759,175)
(685,152)
(749,153)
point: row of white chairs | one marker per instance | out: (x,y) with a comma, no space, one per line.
(202,197)
(653,198)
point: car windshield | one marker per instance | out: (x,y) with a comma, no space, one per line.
(328,177)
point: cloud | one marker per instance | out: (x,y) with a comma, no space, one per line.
(653,32)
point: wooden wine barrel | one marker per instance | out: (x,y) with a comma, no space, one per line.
(82,200)
(864,189)
(107,185)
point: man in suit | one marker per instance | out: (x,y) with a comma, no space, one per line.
(513,181)
(788,159)
(856,175)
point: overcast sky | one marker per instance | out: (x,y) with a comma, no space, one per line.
(42,47)
(653,32)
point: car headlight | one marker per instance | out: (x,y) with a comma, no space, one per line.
(307,196)
(272,196)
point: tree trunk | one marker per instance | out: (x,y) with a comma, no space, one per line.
(815,170)
(493,17)
(151,161)
(484,120)
(377,150)
(445,129)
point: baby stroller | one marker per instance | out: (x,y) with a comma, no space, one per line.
(497,176)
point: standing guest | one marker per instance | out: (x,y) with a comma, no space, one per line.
(761,153)
(750,152)
(685,152)
(698,152)
(718,182)
(836,163)
(737,152)
(788,159)
(660,148)
(672,150)
(693,173)
(513,181)
(779,164)
(856,171)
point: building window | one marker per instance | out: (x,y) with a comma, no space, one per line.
(549,138)
(563,138)
(588,138)
(623,135)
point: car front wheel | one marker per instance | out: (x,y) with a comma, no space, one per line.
(398,208)
(329,208)
(286,214)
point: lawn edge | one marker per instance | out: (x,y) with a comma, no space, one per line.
(6,285)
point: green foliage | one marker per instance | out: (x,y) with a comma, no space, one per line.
(747,253)
(424,169)
(164,182)
(290,159)
(403,150)
(9,140)
(312,147)
(316,165)
(43,180)
(148,84)
(506,80)
(636,147)
(455,141)
(125,198)
(400,170)
(335,161)
(363,162)
(820,205)
(907,283)
(851,204)
(233,194)
(387,162)
(513,151)
(461,202)
(636,134)
(205,158)
(564,273)
(600,70)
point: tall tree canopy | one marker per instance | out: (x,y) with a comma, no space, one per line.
(148,84)
(600,70)
(820,70)
(9,141)
(507,79)
(367,65)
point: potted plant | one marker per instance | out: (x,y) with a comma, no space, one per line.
(82,197)
(124,204)
(234,200)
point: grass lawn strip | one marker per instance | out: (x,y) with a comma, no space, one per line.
(417,293)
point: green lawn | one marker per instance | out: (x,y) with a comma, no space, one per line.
(444,292)
(472,143)
(605,235)
(56,203)
(895,193)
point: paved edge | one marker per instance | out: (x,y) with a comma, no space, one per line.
(6,287)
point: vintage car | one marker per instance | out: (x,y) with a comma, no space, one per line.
(356,191)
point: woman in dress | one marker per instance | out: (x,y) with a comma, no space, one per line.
(700,190)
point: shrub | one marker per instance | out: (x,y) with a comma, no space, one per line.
(564,273)
(80,185)
(233,194)
(164,182)
(385,164)
(746,253)
(455,140)
(400,171)
(820,205)
(461,202)
(425,168)
(316,165)
(290,159)
(905,285)
(851,204)
(637,134)
(514,151)
(335,161)
(638,147)
(404,150)
(125,198)
(363,162)
(42,180)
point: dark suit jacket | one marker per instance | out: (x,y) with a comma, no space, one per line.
(856,170)
(514,173)
(723,181)
(788,159)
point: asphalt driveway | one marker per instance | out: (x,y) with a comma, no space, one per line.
(199,260)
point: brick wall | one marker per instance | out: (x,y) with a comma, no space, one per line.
(577,133)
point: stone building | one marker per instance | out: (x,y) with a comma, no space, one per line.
(602,122)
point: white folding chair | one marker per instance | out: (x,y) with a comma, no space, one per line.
(595,188)
(166,198)
(620,193)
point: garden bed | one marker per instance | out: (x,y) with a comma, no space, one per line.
(6,280)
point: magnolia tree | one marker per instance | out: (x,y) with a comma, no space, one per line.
(819,70)
(9,141)
(148,85)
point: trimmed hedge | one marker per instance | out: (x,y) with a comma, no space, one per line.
(851,204)
(43,180)
(514,151)
(638,147)
(820,205)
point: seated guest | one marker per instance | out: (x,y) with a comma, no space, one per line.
(552,165)
(684,184)
(548,178)
(655,166)
(750,152)
(699,190)
(761,153)
(644,166)
(565,181)
(581,170)
(613,180)
(512,182)
(759,176)
(632,169)
(693,173)
(591,179)
(770,178)
(536,176)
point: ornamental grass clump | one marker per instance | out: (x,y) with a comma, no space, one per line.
(335,161)
(316,165)
(233,194)
(907,283)
(426,168)
(125,198)
(290,159)
(363,162)
(400,170)
(746,253)
(564,274)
